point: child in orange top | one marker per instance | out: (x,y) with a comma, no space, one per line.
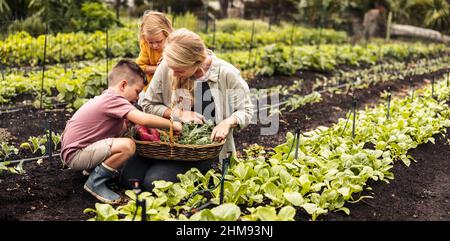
(154,29)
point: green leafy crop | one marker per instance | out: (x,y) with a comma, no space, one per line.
(332,168)
(193,134)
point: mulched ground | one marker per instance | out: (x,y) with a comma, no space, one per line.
(51,192)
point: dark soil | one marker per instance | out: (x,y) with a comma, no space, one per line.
(51,192)
(262,82)
(45,192)
(32,122)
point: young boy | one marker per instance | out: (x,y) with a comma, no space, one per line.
(91,137)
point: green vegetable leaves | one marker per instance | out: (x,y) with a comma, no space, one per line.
(194,134)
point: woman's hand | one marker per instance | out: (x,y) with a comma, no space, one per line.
(186,116)
(177,126)
(221,131)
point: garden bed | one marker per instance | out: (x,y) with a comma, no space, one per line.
(51,192)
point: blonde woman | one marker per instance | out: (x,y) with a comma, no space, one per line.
(154,29)
(192,85)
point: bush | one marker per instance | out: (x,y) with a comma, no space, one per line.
(95,16)
(231,25)
(32,25)
(188,20)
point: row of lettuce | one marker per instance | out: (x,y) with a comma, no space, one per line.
(279,49)
(21,49)
(76,83)
(296,96)
(332,168)
(279,59)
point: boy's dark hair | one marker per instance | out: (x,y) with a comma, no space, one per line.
(126,69)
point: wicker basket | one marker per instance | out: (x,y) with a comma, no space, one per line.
(174,151)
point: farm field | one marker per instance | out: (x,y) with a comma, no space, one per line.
(362,129)
(36,195)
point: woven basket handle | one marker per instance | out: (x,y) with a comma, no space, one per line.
(171,131)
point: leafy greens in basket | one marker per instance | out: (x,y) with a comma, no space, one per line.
(193,134)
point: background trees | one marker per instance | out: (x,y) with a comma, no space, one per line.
(89,15)
(61,15)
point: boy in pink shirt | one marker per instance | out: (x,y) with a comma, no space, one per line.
(92,139)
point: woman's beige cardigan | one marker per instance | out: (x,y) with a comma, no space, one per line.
(230,93)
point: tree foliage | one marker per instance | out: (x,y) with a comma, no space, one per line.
(60,15)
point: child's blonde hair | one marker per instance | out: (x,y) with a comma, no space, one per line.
(184,49)
(154,22)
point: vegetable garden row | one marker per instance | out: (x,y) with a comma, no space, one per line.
(21,49)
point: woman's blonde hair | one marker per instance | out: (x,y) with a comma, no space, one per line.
(153,23)
(184,49)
